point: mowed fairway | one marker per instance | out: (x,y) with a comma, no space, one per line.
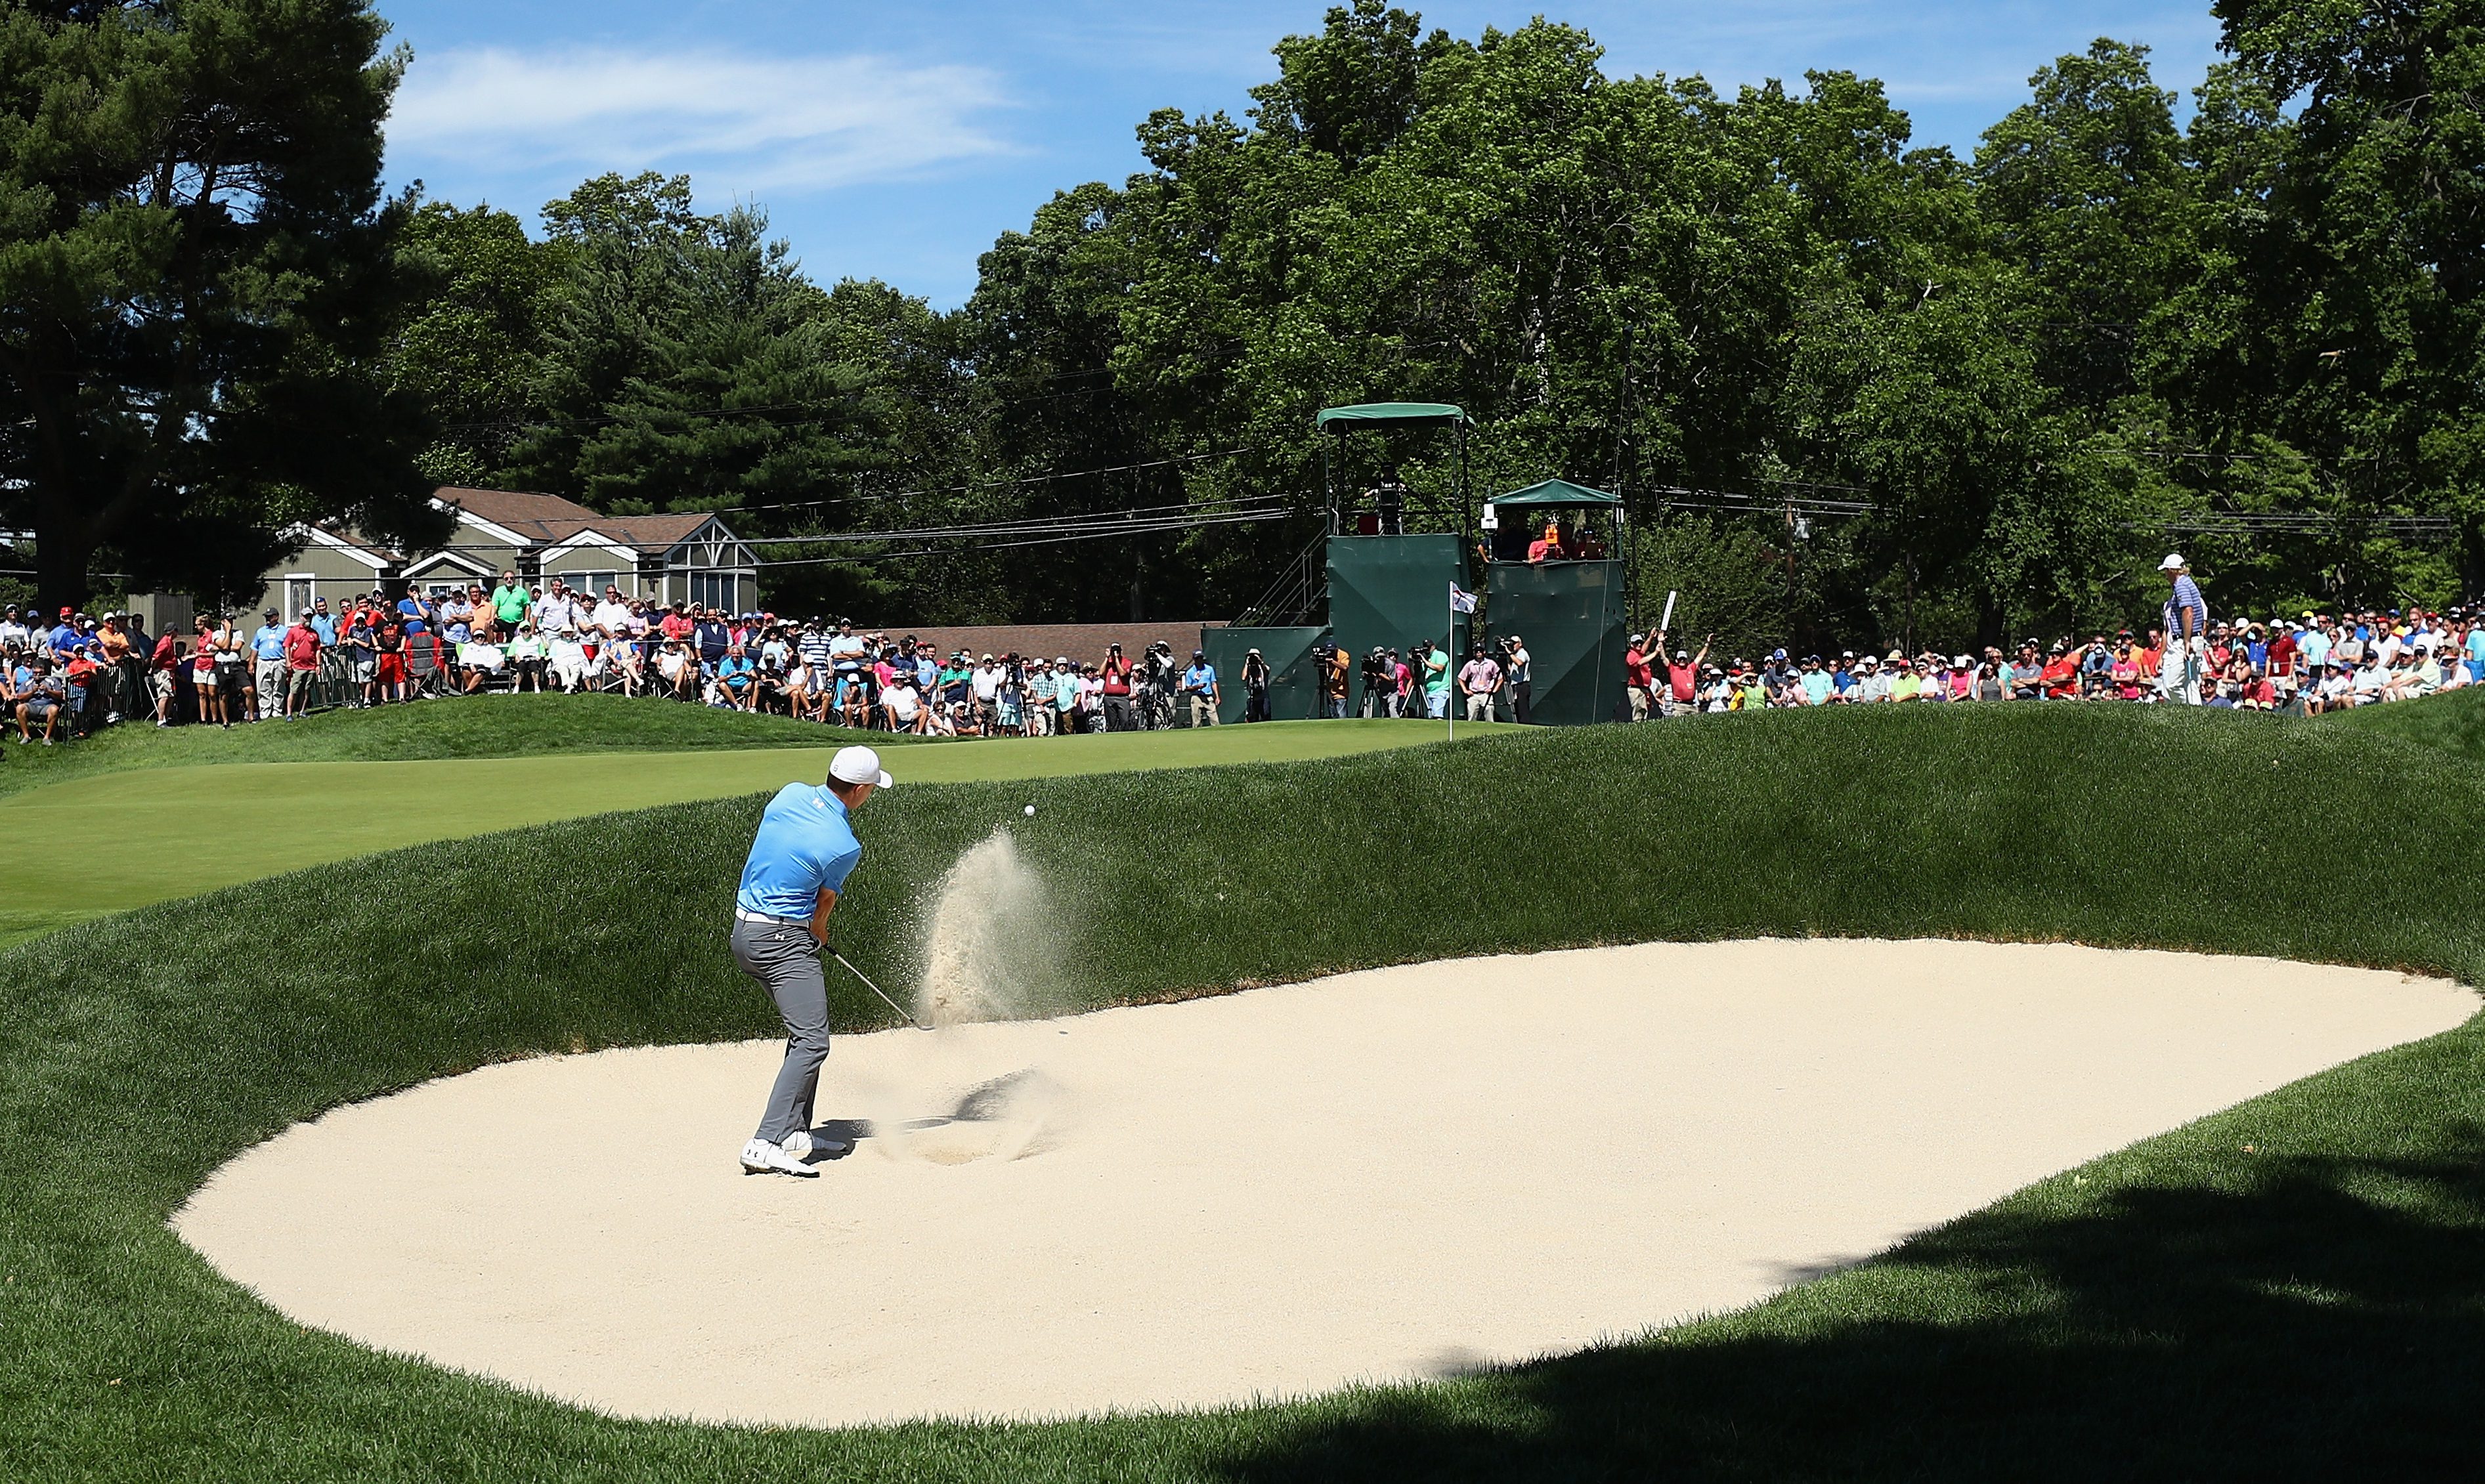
(154,833)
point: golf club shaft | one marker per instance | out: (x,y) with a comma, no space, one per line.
(874,988)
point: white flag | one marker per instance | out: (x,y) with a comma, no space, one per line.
(1461,599)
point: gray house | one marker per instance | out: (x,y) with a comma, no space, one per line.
(668,558)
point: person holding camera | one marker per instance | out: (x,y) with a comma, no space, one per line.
(1379,684)
(1255,687)
(1517,679)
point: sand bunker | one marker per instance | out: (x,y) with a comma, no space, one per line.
(1379,1175)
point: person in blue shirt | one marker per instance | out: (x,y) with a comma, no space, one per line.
(267,646)
(799,863)
(1199,684)
(64,638)
(324,623)
(736,674)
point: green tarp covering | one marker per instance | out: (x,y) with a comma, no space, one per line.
(1570,615)
(1556,492)
(1294,671)
(1391,591)
(1409,414)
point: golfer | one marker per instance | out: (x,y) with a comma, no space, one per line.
(2187,629)
(798,862)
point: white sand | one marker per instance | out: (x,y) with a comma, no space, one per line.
(1379,1175)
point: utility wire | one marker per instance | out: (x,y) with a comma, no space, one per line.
(1136,529)
(1076,520)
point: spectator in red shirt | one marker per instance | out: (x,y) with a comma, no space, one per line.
(1638,679)
(163,682)
(2061,678)
(1117,691)
(1681,676)
(301,666)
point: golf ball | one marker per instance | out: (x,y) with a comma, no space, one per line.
(1030,809)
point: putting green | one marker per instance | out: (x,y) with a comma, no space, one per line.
(148,835)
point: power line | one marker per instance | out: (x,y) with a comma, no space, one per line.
(1132,530)
(1102,520)
(987,485)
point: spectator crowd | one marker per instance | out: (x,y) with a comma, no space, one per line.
(71,674)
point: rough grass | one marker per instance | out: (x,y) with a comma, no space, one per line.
(2452,722)
(2183,1309)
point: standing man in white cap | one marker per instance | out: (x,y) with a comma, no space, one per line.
(2187,629)
(798,862)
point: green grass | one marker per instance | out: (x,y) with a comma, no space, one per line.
(2453,722)
(164,828)
(2182,1309)
(496,726)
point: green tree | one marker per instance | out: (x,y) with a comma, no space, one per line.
(2085,188)
(471,343)
(196,277)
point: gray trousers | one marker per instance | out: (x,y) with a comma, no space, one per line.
(785,960)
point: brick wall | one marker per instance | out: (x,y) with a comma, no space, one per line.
(1081,642)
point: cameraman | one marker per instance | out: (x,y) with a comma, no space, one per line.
(1518,690)
(1379,684)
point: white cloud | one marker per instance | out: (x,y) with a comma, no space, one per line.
(791,122)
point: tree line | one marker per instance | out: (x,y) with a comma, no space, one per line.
(1854,389)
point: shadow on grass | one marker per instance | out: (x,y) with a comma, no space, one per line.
(2286,1318)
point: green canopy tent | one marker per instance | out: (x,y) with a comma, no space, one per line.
(1366,415)
(1572,613)
(1508,540)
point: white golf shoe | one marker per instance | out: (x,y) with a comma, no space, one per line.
(759,1157)
(802,1145)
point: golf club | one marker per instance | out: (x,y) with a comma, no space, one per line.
(876,990)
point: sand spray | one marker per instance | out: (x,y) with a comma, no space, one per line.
(987,957)
(986,944)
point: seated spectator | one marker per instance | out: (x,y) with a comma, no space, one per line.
(481,661)
(42,698)
(526,658)
(737,677)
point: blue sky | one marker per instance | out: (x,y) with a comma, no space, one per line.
(898,140)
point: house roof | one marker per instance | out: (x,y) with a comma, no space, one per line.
(319,533)
(548,519)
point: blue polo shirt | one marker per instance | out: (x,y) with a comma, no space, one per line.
(804,847)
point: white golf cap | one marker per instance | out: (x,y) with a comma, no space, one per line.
(858,764)
(2174,562)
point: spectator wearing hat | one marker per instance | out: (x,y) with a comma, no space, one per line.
(1639,678)
(1814,683)
(1255,687)
(302,649)
(1200,688)
(1479,682)
(39,697)
(1115,676)
(1065,695)
(1378,679)
(1682,675)
(267,688)
(1518,681)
